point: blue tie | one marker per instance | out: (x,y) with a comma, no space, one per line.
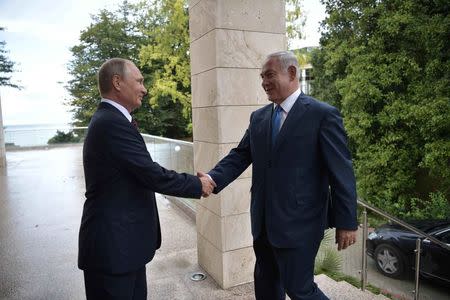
(276,122)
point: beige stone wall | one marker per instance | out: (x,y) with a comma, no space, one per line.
(229,41)
(2,139)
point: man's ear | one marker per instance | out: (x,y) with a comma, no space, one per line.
(292,71)
(116,82)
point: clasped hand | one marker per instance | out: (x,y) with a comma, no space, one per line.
(208,184)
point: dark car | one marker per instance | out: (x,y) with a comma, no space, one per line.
(392,247)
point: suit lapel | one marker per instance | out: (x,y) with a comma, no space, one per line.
(293,118)
(266,129)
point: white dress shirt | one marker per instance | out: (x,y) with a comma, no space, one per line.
(122,109)
(287,104)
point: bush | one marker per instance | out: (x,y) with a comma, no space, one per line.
(435,207)
(61,137)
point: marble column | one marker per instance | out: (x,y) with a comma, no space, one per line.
(229,42)
(2,139)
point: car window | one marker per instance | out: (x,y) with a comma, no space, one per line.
(437,228)
(445,237)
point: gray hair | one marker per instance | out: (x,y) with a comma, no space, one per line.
(286,59)
(113,66)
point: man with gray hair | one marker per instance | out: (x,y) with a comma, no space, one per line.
(302,182)
(120,229)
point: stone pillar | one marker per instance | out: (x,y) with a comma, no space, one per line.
(229,42)
(2,139)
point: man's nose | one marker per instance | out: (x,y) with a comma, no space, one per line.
(263,83)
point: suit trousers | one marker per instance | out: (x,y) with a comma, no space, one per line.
(285,270)
(128,286)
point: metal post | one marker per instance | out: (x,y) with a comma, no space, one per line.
(417,265)
(2,140)
(364,256)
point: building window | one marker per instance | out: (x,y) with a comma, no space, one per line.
(305,80)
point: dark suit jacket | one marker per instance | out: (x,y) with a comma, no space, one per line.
(292,182)
(120,228)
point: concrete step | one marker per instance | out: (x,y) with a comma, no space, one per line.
(342,290)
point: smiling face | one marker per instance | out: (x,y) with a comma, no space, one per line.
(278,83)
(131,87)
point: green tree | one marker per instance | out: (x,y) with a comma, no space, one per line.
(167,55)
(386,65)
(155,35)
(6,66)
(112,34)
(123,33)
(304,56)
(295,20)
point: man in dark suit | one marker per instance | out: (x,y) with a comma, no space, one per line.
(302,182)
(120,228)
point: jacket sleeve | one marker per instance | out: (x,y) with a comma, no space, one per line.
(232,165)
(337,158)
(129,152)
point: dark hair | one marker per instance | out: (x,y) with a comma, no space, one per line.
(113,66)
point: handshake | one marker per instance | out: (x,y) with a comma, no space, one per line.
(208,184)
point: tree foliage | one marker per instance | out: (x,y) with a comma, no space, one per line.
(6,66)
(155,35)
(168,56)
(295,20)
(111,34)
(125,33)
(386,65)
(304,56)
(61,137)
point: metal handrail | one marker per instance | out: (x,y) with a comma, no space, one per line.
(6,128)
(181,142)
(402,223)
(382,213)
(168,139)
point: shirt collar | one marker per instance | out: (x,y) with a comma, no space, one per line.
(289,101)
(122,109)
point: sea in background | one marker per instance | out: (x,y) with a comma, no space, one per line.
(32,135)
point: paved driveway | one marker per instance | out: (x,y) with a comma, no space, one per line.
(41,200)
